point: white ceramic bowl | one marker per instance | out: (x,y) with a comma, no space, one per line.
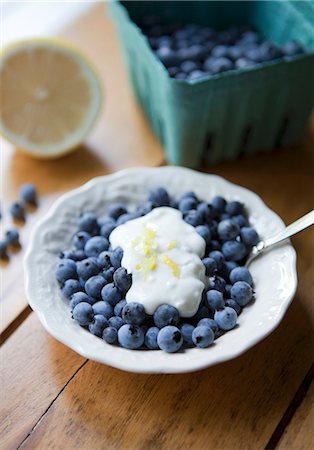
(274,272)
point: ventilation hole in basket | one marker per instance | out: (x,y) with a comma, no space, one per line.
(244,141)
(209,141)
(282,130)
(161,131)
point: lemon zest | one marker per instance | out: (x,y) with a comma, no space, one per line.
(170,263)
(172,244)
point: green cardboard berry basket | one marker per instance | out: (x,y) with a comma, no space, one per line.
(241,111)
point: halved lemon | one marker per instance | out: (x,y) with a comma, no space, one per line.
(50,96)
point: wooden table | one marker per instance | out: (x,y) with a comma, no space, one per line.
(53,398)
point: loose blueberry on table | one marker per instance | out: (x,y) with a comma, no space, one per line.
(191,52)
(169,276)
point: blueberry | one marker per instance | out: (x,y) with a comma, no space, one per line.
(94,286)
(111,294)
(219,204)
(227,267)
(202,336)
(133,313)
(217,283)
(151,338)
(181,76)
(12,237)
(189,194)
(28,193)
(104,260)
(170,339)
(234,250)
(249,236)
(234,208)
(95,245)
(116,257)
(130,336)
(194,218)
(224,216)
(119,307)
(116,210)
(291,49)
(196,75)
(164,41)
(98,325)
(241,274)
(75,255)
(106,229)
(228,230)
(17,211)
(106,220)
(103,308)
(110,335)
(167,56)
(218,257)
(217,65)
(220,50)
(166,315)
(79,297)
(159,196)
(86,268)
(122,280)
(108,274)
(234,305)
(204,232)
(186,331)
(240,220)
(215,300)
(146,207)
(187,203)
(235,52)
(204,210)
(210,323)
(250,36)
(226,318)
(269,51)
(126,218)
(189,66)
(80,238)
(3,249)
(243,63)
(210,266)
(83,314)
(116,322)
(65,269)
(88,222)
(242,293)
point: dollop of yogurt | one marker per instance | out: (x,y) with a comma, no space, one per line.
(163,253)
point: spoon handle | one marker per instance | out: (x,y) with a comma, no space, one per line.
(291,229)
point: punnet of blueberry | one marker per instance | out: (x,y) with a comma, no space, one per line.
(191,52)
(108,297)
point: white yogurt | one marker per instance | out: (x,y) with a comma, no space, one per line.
(163,253)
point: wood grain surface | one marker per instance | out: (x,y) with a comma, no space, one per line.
(299,434)
(52,398)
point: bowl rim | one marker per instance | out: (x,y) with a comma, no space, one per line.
(120,363)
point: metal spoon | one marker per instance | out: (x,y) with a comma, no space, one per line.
(290,230)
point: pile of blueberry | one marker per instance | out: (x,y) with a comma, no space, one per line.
(192,51)
(28,196)
(92,279)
